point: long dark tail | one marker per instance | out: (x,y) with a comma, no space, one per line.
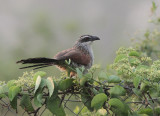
(38,62)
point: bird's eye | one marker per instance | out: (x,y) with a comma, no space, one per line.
(86,39)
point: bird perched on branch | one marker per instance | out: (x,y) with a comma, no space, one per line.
(80,55)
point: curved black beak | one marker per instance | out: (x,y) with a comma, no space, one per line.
(95,38)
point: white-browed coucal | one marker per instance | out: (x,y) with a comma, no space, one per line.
(80,55)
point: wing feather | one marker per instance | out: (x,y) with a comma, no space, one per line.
(75,55)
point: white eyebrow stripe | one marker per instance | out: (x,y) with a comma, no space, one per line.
(85,36)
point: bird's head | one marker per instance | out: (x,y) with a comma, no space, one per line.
(87,39)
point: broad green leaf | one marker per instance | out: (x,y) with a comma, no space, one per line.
(3,89)
(86,99)
(50,85)
(43,83)
(102,76)
(117,91)
(147,111)
(13,91)
(65,84)
(53,105)
(38,98)
(79,73)
(98,101)
(113,79)
(39,91)
(39,73)
(120,57)
(116,104)
(14,103)
(134,53)
(83,80)
(11,83)
(26,103)
(38,82)
(136,81)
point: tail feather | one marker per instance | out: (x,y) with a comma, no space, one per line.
(41,67)
(35,66)
(38,62)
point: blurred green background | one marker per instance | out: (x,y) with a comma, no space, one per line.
(41,28)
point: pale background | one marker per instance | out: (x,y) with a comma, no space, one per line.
(36,28)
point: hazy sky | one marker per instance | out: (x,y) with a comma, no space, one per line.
(63,21)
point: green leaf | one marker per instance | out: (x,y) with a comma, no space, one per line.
(38,98)
(136,81)
(147,111)
(116,104)
(14,103)
(113,79)
(98,101)
(43,83)
(11,83)
(53,105)
(86,99)
(38,82)
(65,84)
(39,73)
(134,53)
(102,76)
(83,80)
(79,73)
(120,57)
(68,61)
(3,89)
(50,85)
(26,103)
(117,91)
(13,91)
(37,102)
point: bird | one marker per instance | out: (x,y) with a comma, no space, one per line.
(80,55)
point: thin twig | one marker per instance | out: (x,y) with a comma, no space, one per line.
(43,111)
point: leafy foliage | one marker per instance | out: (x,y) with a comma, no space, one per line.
(129,87)
(135,83)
